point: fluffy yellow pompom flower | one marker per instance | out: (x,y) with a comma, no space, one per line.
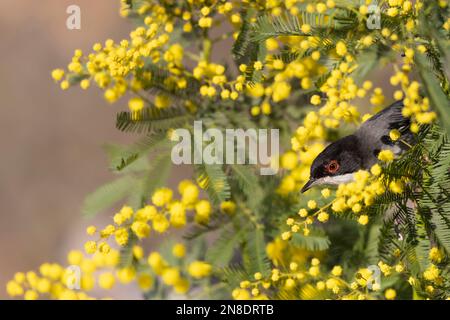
(392,12)
(14,289)
(228,207)
(323,216)
(162,197)
(331,4)
(336,271)
(205,11)
(205,22)
(126,275)
(121,236)
(179,250)
(315,100)
(90,247)
(106,280)
(386,155)
(65,85)
(303,213)
(138,252)
(325,193)
(306,28)
(315,55)
(286,235)
(367,41)
(363,219)
(314,271)
(199,269)
(341,49)
(31,295)
(170,276)
(396,186)
(289,160)
(278,64)
(312,204)
(363,10)
(104,248)
(57,74)
(189,194)
(202,210)
(141,229)
(376,170)
(136,104)
(156,261)
(160,223)
(84,84)
(258,65)
(436,255)
(162,101)
(177,214)
(145,282)
(91,230)
(390,294)
(75,257)
(431,273)
(240,294)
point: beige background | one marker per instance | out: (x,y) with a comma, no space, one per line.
(50,140)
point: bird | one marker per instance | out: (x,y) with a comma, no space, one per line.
(340,160)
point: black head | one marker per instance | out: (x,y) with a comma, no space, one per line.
(336,163)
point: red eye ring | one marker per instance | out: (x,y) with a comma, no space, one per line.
(332,166)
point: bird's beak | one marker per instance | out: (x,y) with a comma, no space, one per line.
(308,185)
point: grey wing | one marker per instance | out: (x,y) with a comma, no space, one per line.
(375,132)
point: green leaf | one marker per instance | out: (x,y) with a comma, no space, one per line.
(214,180)
(255,257)
(274,26)
(244,44)
(122,156)
(107,195)
(438,99)
(310,292)
(233,275)
(163,82)
(221,251)
(152,179)
(268,26)
(249,184)
(312,242)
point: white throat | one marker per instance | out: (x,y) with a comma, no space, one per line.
(336,180)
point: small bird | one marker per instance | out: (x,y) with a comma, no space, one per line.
(341,159)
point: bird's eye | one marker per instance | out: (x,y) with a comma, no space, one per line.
(332,166)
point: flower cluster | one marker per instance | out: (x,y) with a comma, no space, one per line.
(103,270)
(72,283)
(311,281)
(178,275)
(165,212)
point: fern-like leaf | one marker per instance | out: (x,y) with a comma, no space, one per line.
(222,250)
(214,180)
(313,242)
(107,195)
(255,258)
(151,120)
(248,182)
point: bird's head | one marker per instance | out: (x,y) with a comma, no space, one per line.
(336,164)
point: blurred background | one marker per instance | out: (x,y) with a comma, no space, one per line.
(51,155)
